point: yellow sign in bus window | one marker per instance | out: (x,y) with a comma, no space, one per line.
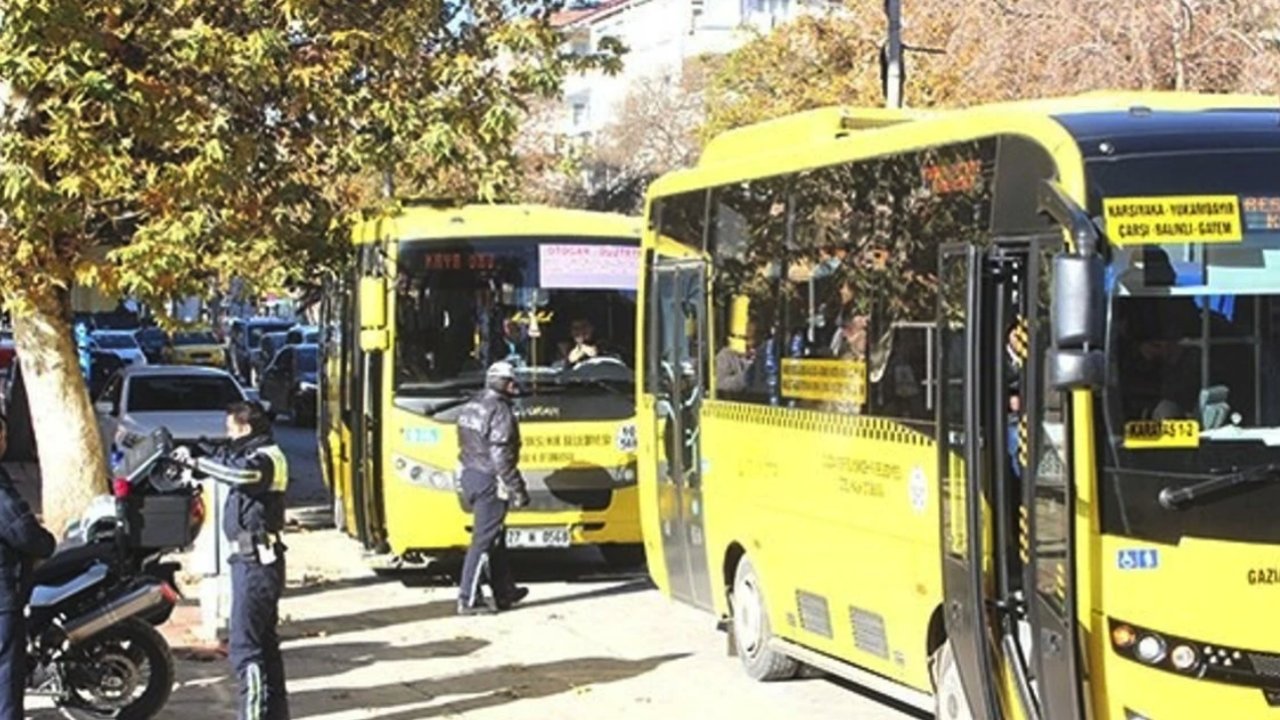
(1174,219)
(1159,434)
(825,380)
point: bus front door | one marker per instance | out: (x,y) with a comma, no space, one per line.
(961,468)
(679,306)
(1008,575)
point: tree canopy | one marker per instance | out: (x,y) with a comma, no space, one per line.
(968,53)
(148,145)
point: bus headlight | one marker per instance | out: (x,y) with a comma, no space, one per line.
(1150,649)
(421,475)
(441,480)
(1184,657)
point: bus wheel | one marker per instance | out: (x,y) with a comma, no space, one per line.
(751,631)
(949,700)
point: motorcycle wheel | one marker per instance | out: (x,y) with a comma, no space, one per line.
(124,672)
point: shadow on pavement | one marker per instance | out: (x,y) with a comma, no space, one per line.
(577,565)
(312,586)
(488,688)
(367,620)
(323,660)
(637,585)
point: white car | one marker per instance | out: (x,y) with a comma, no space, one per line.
(190,401)
(121,343)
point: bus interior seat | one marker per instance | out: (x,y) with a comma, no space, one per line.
(1214,409)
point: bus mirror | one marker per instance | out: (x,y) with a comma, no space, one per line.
(1078,306)
(1076,369)
(373,303)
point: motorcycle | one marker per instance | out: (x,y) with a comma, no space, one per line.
(92,644)
(155,502)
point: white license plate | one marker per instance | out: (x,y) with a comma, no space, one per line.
(538,537)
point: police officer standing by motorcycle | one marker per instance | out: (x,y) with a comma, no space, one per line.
(489,450)
(22,541)
(254,466)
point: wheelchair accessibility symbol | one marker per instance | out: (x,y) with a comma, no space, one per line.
(1138,559)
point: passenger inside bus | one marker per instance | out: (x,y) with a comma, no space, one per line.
(512,345)
(1160,360)
(735,362)
(583,345)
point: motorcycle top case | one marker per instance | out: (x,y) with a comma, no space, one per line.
(161,521)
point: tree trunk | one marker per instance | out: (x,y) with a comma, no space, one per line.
(73,467)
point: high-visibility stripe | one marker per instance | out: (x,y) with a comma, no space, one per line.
(253,699)
(482,569)
(279,467)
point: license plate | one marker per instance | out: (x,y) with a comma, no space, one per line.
(538,537)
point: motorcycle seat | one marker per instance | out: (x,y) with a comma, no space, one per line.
(69,561)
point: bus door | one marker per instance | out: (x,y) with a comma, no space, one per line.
(678,306)
(367,396)
(1007,580)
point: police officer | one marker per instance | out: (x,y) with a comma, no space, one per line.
(489,449)
(22,541)
(254,466)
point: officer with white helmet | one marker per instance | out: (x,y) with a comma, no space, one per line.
(489,450)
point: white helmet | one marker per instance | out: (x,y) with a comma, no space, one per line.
(500,376)
(501,370)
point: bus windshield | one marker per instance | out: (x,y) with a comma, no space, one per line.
(562,310)
(1193,389)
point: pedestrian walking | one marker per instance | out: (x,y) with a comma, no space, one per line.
(254,466)
(489,450)
(23,540)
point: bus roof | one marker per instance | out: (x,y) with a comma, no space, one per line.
(424,222)
(831,135)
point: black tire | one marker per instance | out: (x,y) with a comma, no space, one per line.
(751,631)
(949,699)
(133,637)
(623,556)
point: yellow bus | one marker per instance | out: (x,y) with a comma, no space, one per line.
(979,408)
(440,293)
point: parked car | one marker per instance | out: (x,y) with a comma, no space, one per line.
(303,335)
(267,349)
(152,340)
(289,382)
(121,343)
(195,347)
(190,401)
(245,343)
(7,351)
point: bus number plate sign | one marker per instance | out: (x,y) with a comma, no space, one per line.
(538,537)
(1158,434)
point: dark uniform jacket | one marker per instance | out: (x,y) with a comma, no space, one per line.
(489,438)
(258,473)
(22,540)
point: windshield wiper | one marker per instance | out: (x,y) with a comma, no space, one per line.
(1174,498)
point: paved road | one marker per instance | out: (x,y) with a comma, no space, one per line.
(306,484)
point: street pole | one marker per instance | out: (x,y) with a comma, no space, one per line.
(388,184)
(893,55)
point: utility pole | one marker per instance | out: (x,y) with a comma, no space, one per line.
(893,75)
